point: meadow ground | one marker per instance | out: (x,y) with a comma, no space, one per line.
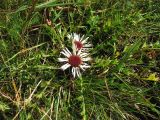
(123,82)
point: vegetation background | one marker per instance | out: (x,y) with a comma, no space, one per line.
(123,82)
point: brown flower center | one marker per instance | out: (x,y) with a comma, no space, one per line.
(78,44)
(74,60)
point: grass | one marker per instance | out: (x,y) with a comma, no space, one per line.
(123,82)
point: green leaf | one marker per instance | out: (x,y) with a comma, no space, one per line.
(3,106)
(45,5)
(128,52)
(152,77)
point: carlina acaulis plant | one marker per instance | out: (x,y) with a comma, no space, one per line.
(78,58)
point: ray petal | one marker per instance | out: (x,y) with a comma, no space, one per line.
(85,49)
(78,72)
(84,66)
(82,38)
(62,59)
(65,66)
(68,51)
(86,59)
(85,40)
(65,54)
(73,72)
(84,54)
(76,37)
(79,52)
(87,45)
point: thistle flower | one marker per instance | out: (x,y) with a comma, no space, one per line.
(79,43)
(75,60)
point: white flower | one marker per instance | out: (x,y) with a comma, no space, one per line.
(79,43)
(76,61)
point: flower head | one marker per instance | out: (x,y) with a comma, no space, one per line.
(79,43)
(76,61)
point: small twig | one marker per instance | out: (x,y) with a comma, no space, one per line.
(46,114)
(5,96)
(22,51)
(110,97)
(17,114)
(17,96)
(28,100)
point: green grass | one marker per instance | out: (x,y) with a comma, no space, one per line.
(123,82)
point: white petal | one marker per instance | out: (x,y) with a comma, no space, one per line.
(65,66)
(84,54)
(85,49)
(87,45)
(74,48)
(86,59)
(85,40)
(76,37)
(82,38)
(73,72)
(68,51)
(84,66)
(65,54)
(62,59)
(79,52)
(78,72)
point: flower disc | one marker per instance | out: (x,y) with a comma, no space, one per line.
(74,60)
(78,44)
